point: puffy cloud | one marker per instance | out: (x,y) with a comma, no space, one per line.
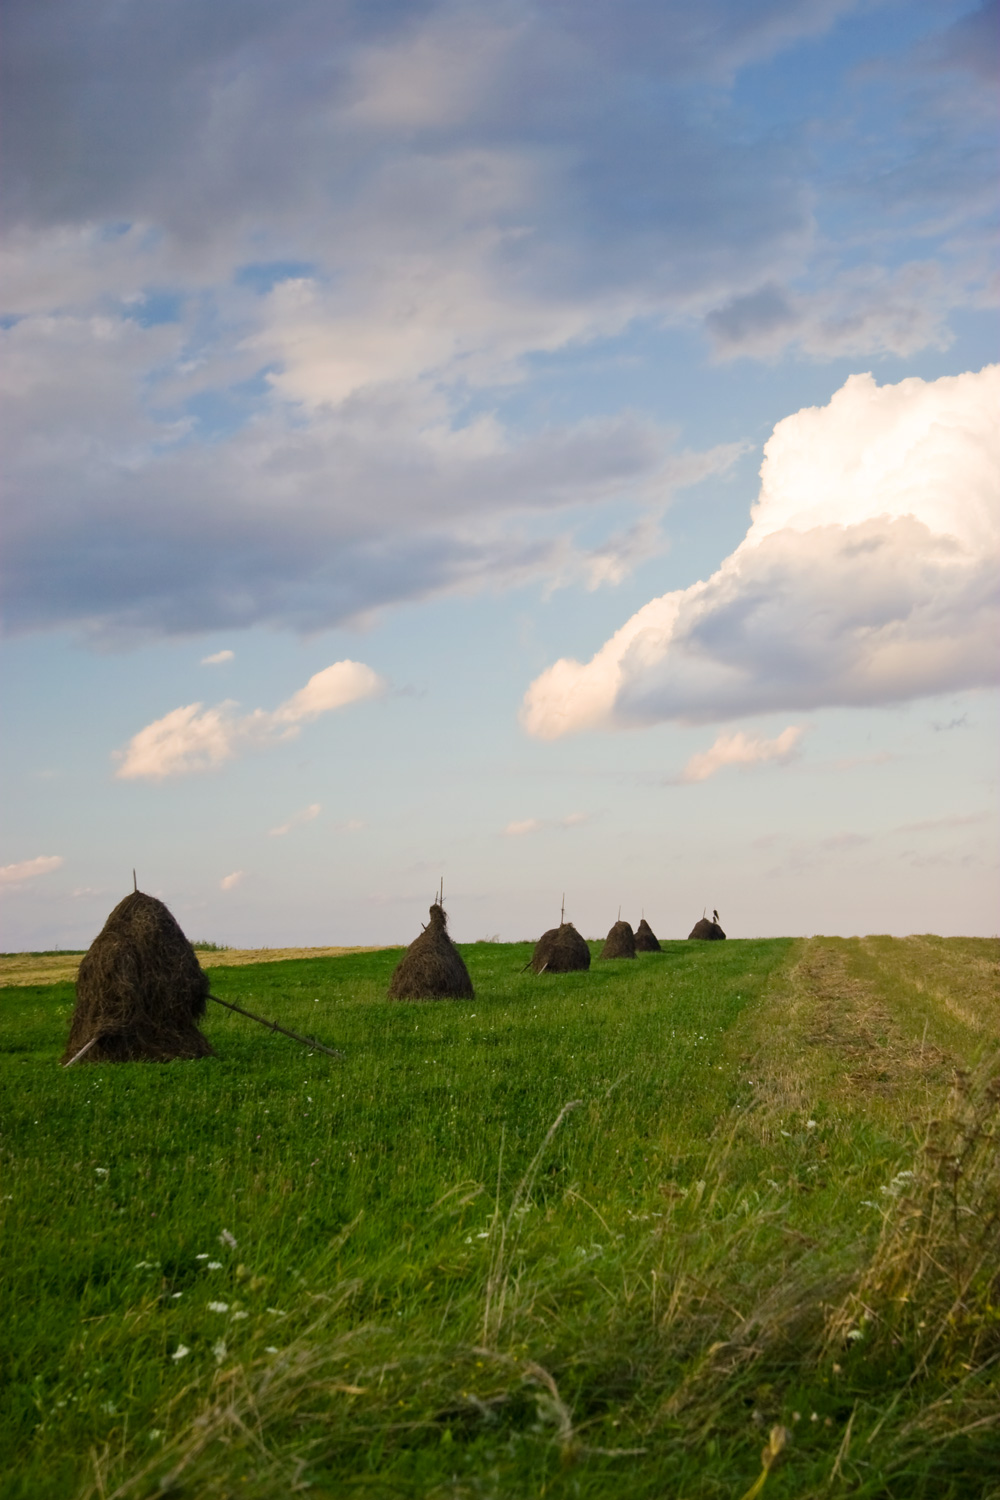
(195,738)
(534,825)
(30,869)
(217,659)
(305,815)
(868,574)
(741,749)
(230,882)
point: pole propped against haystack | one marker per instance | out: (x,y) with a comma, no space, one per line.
(620,941)
(646,940)
(432,967)
(561,950)
(140,990)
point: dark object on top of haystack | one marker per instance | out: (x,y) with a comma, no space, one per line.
(432,967)
(139,991)
(646,940)
(561,950)
(706,931)
(620,942)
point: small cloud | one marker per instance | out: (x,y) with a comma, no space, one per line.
(230,882)
(30,869)
(306,815)
(741,749)
(196,738)
(532,825)
(217,658)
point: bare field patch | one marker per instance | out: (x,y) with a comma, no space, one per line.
(57,968)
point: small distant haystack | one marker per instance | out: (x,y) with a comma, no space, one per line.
(620,942)
(139,990)
(646,940)
(561,950)
(706,931)
(432,967)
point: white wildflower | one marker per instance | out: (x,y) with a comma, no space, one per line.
(214,1265)
(101,1171)
(241,1315)
(180,1351)
(203,1256)
(270,1349)
(227,1239)
(219,1350)
(810,1124)
(218,1307)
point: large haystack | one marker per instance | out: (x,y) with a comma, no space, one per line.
(561,950)
(646,940)
(620,942)
(706,931)
(432,967)
(139,990)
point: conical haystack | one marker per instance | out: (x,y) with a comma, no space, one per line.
(646,940)
(139,990)
(561,950)
(707,931)
(432,967)
(620,942)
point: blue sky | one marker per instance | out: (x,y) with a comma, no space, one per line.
(551,447)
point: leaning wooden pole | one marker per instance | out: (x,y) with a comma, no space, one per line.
(307,1041)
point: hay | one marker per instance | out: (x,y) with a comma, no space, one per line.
(620,942)
(706,931)
(561,950)
(432,967)
(139,989)
(646,940)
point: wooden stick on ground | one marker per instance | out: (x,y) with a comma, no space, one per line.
(85,1048)
(307,1041)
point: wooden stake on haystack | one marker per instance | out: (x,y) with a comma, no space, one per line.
(307,1041)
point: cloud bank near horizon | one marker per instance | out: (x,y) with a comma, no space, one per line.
(868,575)
(195,738)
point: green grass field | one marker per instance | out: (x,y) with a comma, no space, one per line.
(593,1235)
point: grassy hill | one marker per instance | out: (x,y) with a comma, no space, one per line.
(713,1219)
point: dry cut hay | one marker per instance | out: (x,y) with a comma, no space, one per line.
(561,950)
(432,967)
(620,942)
(646,940)
(139,989)
(706,931)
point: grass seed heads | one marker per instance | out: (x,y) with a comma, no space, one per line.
(139,990)
(432,967)
(706,931)
(646,940)
(620,942)
(561,950)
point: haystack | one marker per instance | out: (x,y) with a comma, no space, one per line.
(706,931)
(646,940)
(620,942)
(432,967)
(561,950)
(139,990)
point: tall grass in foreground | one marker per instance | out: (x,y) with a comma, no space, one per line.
(612,1233)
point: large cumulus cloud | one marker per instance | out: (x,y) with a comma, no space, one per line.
(868,575)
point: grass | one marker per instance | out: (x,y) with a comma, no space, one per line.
(588,1235)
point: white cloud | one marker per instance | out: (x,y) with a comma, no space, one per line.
(195,738)
(525,825)
(305,815)
(740,749)
(868,575)
(533,825)
(217,658)
(230,882)
(30,869)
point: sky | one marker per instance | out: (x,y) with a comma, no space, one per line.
(549,447)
